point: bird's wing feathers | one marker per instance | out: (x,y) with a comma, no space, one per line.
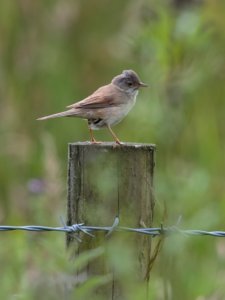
(102,98)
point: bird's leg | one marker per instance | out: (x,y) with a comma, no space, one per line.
(114,136)
(93,140)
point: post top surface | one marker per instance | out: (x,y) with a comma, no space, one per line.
(114,145)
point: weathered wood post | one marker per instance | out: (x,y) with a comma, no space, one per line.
(105,181)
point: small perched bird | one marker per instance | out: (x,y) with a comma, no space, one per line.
(108,105)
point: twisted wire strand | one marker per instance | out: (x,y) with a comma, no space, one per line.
(89,230)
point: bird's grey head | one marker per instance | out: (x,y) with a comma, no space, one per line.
(128,81)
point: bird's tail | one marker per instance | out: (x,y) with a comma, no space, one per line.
(66,113)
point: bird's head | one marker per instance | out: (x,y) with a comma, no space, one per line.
(128,81)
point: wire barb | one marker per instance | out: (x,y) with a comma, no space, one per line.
(114,226)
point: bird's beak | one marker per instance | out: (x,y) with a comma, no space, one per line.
(142,84)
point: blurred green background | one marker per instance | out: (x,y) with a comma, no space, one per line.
(53,53)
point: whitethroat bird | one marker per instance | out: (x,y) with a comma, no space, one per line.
(108,105)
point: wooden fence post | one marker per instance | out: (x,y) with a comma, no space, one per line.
(105,181)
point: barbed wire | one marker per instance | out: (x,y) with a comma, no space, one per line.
(89,230)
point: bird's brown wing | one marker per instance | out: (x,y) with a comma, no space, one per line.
(104,97)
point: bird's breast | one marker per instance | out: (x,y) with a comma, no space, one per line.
(112,115)
(119,112)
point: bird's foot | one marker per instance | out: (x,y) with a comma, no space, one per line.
(118,142)
(94,142)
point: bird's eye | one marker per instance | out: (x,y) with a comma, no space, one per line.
(129,83)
